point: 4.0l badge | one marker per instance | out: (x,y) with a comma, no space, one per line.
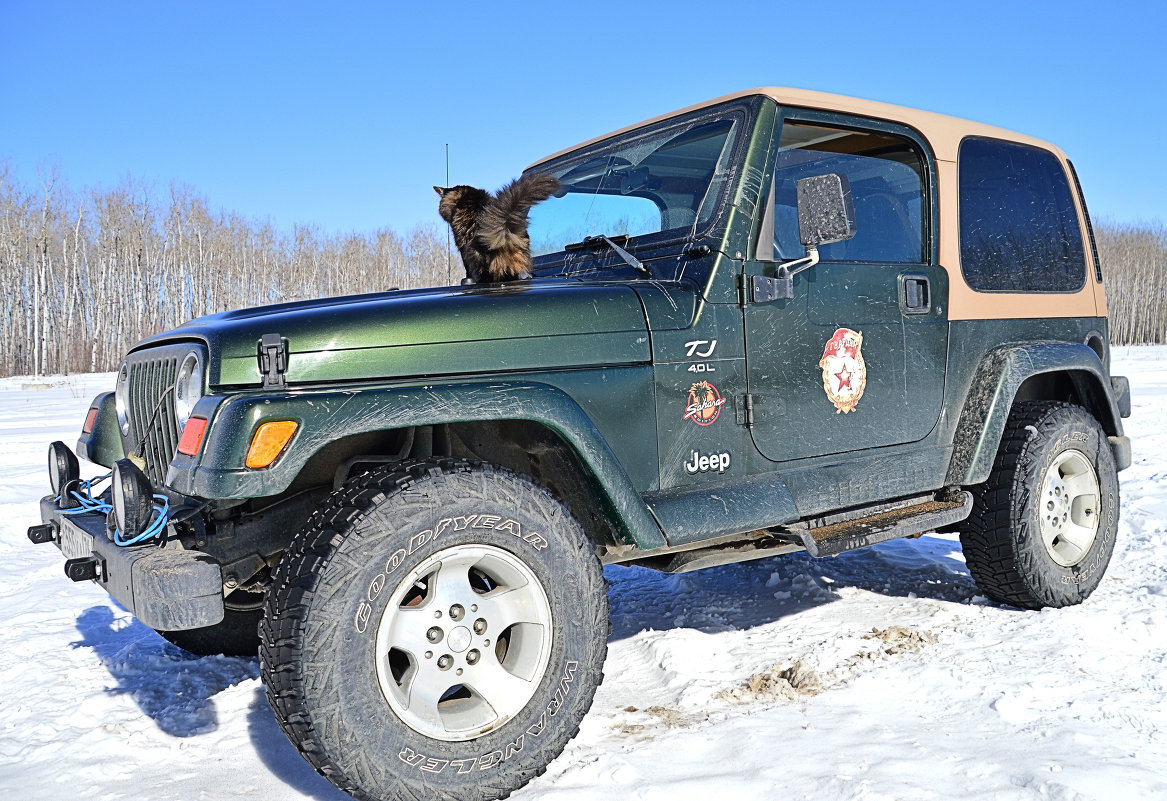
(844,371)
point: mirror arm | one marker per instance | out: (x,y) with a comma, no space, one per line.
(760,289)
(793,268)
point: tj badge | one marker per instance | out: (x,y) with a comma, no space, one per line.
(844,373)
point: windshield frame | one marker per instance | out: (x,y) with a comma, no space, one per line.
(742,112)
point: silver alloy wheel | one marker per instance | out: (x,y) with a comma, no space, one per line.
(1068,511)
(463,642)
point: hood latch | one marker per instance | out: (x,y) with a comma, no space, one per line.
(273,361)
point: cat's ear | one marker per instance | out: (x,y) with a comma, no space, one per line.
(441,192)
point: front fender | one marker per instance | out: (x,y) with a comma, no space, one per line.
(991,395)
(102,445)
(328,415)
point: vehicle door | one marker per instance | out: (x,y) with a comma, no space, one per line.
(856,358)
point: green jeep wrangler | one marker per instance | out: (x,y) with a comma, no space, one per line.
(777,321)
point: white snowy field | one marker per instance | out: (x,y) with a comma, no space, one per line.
(877,675)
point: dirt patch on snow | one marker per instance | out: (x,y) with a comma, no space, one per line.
(901,640)
(776,683)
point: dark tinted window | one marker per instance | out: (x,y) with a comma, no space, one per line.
(887,186)
(1018,226)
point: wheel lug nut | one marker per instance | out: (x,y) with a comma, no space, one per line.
(480,626)
(457,612)
(458,672)
(437,613)
(472,656)
(473,607)
(429,654)
(445,661)
(434,634)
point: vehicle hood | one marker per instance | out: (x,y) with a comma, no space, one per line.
(533,325)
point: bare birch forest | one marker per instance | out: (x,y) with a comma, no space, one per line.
(83,276)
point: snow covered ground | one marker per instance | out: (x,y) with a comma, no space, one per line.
(877,675)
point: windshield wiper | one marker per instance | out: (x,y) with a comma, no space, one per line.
(600,240)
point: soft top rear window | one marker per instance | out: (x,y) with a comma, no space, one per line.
(1019,228)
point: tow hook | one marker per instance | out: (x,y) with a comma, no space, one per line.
(46,532)
(86,568)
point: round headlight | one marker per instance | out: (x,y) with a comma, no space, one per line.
(188,387)
(121,399)
(133,498)
(63,466)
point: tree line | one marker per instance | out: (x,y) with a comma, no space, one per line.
(83,276)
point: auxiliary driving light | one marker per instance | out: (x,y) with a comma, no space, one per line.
(133,499)
(63,466)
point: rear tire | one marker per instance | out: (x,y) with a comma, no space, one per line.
(1043,526)
(436,630)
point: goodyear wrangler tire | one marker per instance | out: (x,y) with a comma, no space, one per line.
(1043,526)
(437,630)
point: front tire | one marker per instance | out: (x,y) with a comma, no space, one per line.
(1043,526)
(437,629)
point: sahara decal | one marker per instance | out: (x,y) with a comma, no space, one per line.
(704,404)
(707,462)
(844,371)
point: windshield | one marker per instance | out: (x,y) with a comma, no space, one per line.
(657,184)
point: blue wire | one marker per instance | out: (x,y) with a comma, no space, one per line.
(86,499)
(90,504)
(156,527)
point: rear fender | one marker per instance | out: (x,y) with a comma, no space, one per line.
(995,386)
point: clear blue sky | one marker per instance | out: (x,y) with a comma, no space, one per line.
(338,114)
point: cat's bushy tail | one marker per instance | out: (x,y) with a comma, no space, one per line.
(503,225)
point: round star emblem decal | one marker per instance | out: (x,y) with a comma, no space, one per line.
(844,372)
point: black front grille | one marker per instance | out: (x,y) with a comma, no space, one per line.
(153,426)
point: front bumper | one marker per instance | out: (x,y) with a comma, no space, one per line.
(168,589)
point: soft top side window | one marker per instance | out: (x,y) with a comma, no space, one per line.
(1019,229)
(887,177)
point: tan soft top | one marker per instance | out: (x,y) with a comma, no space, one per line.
(943,132)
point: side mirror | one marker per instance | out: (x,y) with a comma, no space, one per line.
(826,213)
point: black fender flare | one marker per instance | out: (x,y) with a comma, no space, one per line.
(218,471)
(994,387)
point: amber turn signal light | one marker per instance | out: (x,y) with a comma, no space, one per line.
(192,436)
(269,441)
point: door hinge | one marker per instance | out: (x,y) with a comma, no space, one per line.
(763,289)
(745,411)
(273,361)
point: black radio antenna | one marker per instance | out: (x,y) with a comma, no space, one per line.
(449,278)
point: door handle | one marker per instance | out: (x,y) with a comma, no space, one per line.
(915,294)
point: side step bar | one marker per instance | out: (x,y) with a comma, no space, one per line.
(835,538)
